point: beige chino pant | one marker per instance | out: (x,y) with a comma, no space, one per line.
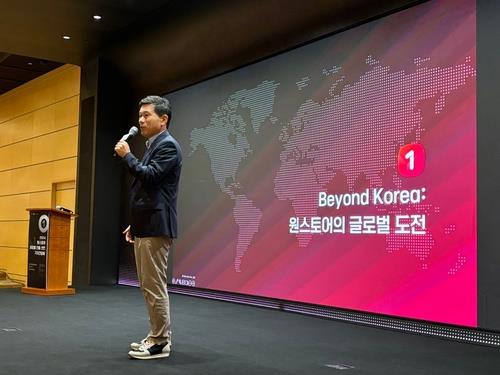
(151,258)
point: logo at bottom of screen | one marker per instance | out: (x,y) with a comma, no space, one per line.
(185,280)
(339,366)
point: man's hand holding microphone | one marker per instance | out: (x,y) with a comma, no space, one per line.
(122,148)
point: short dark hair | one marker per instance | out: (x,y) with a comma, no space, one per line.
(162,106)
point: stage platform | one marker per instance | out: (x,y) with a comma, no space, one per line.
(89,333)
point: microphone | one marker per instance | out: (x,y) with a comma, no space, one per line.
(131,133)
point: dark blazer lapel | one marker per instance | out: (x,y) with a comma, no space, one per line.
(153,146)
(146,157)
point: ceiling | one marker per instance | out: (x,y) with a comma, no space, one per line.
(31,33)
(193,39)
(16,70)
(35,27)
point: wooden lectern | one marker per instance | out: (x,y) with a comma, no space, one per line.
(48,252)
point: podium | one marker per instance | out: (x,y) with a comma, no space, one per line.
(48,252)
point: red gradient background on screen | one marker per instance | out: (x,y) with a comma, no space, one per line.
(408,78)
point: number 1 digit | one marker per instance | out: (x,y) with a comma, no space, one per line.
(411,156)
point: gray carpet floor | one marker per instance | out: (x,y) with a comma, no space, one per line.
(89,333)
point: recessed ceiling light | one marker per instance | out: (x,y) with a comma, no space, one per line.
(66,37)
(30,63)
(97,17)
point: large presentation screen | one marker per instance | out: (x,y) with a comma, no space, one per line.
(341,173)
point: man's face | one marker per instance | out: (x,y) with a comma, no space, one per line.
(149,122)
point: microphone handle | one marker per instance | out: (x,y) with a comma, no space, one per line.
(125,138)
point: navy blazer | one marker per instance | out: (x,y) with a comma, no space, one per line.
(153,196)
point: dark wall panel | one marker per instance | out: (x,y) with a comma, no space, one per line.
(488,164)
(83,224)
(111,123)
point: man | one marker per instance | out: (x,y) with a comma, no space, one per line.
(153,201)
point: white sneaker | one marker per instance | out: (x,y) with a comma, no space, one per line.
(137,345)
(150,350)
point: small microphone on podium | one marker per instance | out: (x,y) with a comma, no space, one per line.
(133,131)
